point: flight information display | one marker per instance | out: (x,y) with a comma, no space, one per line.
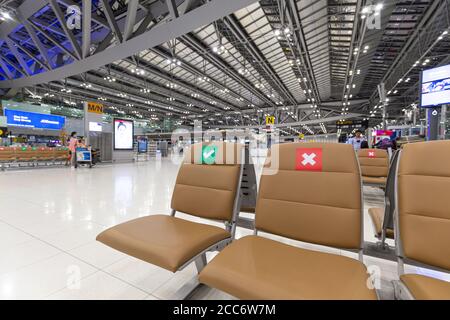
(435,90)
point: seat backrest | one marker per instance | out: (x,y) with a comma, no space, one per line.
(6,153)
(44,152)
(373,162)
(315,196)
(26,153)
(208,180)
(423,203)
(389,194)
(59,152)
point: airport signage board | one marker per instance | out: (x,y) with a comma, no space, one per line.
(270,120)
(3,132)
(94,107)
(95,127)
(352,124)
(34,120)
(123,134)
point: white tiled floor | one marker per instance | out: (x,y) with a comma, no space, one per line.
(49,219)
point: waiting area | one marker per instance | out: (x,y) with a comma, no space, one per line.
(32,156)
(290,204)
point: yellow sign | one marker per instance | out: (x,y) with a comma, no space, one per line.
(270,120)
(95,107)
(301,136)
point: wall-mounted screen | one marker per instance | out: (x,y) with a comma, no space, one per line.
(435,87)
(95,127)
(34,120)
(123,134)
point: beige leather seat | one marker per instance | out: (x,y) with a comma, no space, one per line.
(374,166)
(377,217)
(423,217)
(322,207)
(383,218)
(204,190)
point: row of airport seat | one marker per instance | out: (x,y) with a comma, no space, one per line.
(10,156)
(314,196)
(374,165)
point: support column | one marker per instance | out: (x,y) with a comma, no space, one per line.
(93,112)
(443,123)
(433,117)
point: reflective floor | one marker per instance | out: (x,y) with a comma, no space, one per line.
(49,219)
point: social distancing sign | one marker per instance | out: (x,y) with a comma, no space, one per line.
(308,159)
(209,154)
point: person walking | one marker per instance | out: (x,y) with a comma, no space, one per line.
(356,140)
(73,142)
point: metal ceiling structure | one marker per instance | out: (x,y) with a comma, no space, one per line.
(228,63)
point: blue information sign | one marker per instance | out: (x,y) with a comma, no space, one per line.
(34,120)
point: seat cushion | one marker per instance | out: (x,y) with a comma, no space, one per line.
(254,267)
(426,288)
(165,241)
(374,180)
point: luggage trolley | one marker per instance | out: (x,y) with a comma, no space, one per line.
(84,157)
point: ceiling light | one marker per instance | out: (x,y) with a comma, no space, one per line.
(109,79)
(138,71)
(6,15)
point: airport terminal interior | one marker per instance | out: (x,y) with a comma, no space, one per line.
(225,149)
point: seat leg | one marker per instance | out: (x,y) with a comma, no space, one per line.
(200,262)
(401,292)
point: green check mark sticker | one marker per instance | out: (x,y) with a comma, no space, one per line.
(209,154)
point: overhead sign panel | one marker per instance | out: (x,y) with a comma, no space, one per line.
(95,107)
(435,89)
(352,124)
(270,120)
(34,120)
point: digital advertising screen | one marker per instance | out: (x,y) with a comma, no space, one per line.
(34,120)
(123,134)
(435,87)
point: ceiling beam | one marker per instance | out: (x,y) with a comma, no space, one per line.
(159,34)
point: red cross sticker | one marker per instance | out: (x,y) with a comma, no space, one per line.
(372,154)
(309,159)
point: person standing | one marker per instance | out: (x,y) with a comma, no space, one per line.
(356,140)
(73,142)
